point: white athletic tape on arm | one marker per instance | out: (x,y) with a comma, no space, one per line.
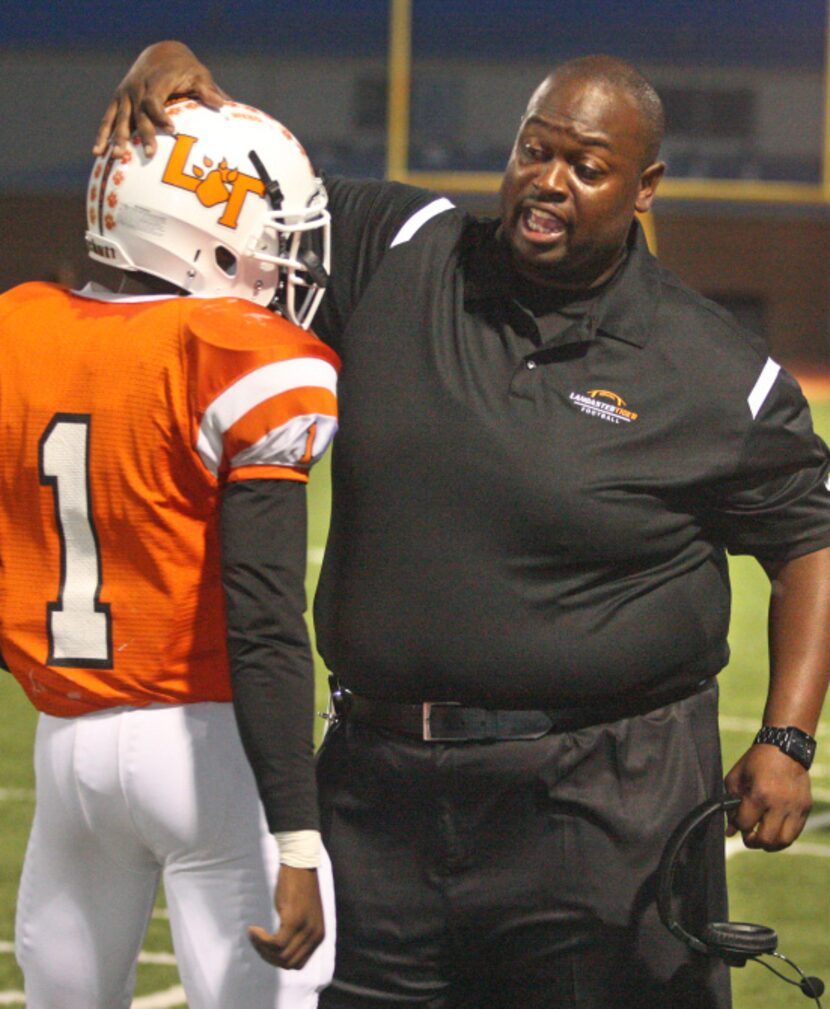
(299,849)
(419,219)
(761,389)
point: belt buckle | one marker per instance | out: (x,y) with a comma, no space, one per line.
(426,723)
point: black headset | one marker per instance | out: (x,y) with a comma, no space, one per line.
(734,942)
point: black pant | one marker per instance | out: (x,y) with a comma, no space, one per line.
(521,874)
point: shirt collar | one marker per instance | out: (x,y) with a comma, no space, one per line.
(627,307)
(624,309)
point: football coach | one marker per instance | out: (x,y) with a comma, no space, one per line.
(548,445)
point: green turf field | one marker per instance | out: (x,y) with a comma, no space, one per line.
(788,890)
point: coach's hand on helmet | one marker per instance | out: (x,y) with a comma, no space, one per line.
(163,69)
(301,930)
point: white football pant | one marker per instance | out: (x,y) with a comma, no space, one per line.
(126,797)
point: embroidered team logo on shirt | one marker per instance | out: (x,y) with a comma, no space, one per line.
(604,404)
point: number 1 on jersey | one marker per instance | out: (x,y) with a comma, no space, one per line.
(79,627)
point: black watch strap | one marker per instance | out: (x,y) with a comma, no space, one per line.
(794,742)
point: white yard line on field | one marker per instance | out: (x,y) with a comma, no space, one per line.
(315,555)
(162,999)
(734,723)
(735,845)
(167,999)
(818,821)
(805,848)
(17,795)
(162,959)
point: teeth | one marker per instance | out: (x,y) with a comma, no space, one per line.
(542,222)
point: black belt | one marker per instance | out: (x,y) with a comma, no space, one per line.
(448,721)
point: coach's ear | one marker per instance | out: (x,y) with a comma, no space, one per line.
(649,181)
(162,70)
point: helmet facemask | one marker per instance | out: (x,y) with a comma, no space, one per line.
(287,244)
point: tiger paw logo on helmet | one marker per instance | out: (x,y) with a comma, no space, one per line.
(220,185)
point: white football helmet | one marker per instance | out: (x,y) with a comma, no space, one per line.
(226,207)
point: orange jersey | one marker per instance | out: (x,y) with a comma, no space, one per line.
(122,419)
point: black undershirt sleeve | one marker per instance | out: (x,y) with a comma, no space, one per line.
(263,535)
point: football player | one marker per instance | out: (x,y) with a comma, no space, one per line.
(152,615)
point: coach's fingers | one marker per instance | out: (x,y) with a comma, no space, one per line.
(265,945)
(290,954)
(298,947)
(300,909)
(163,70)
(105,129)
(775,798)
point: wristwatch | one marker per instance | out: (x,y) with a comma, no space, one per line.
(796,744)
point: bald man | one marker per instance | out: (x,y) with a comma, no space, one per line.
(548,444)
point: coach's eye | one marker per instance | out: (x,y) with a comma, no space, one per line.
(588,173)
(532,152)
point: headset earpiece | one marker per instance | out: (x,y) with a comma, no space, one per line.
(741,937)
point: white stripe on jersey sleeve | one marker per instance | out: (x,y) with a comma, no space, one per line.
(267,381)
(761,389)
(419,219)
(286,445)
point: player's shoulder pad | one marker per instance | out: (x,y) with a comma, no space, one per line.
(33,291)
(240,326)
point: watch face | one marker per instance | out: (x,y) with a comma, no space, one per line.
(790,740)
(801,747)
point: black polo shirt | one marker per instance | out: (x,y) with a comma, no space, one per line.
(533,500)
